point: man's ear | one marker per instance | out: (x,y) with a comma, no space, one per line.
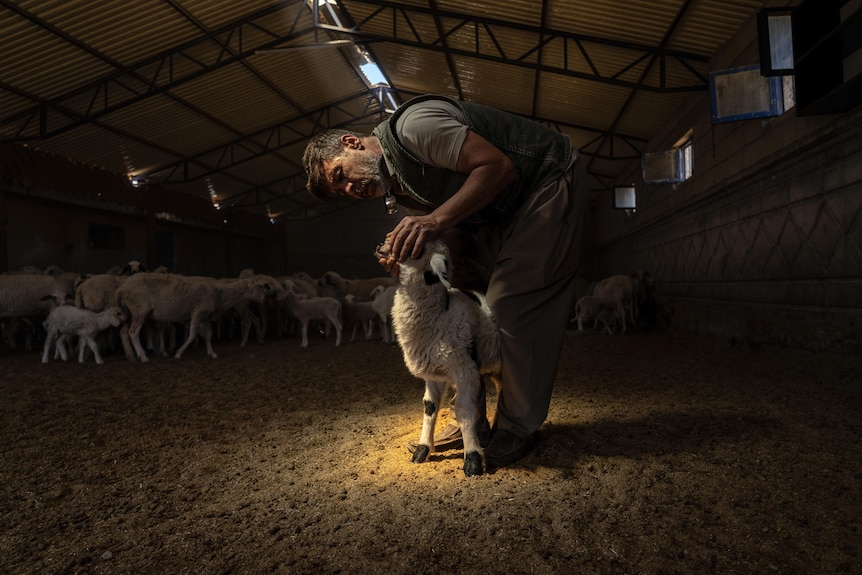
(352,141)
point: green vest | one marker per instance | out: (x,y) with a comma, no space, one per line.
(539,153)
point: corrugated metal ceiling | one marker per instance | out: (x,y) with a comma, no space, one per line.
(198,93)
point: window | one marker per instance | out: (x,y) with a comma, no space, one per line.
(670,166)
(775,41)
(744,93)
(686,162)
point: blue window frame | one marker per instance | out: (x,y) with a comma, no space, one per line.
(743,94)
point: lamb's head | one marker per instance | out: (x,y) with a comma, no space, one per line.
(433,265)
(115,315)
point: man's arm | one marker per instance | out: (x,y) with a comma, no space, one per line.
(489,172)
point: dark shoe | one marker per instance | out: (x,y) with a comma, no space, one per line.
(448,438)
(507,447)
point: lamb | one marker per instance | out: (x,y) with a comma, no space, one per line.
(449,339)
(66,320)
(175,298)
(304,286)
(599,310)
(306,309)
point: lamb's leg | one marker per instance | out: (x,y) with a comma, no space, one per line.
(49,339)
(304,342)
(467,414)
(434,391)
(61,346)
(93,346)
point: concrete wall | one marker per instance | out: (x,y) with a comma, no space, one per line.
(764,243)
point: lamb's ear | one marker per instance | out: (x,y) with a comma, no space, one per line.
(439,267)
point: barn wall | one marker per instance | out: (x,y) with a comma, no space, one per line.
(42,233)
(83,219)
(343,242)
(764,243)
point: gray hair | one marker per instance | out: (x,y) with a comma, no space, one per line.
(325,146)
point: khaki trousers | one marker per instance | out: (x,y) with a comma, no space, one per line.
(529,265)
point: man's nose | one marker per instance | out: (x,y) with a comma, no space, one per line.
(350,187)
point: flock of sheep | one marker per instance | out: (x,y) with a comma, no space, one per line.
(141,311)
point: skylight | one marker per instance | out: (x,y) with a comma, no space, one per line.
(372,73)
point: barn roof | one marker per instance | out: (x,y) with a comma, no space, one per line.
(218,97)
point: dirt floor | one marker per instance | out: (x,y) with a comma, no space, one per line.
(663,453)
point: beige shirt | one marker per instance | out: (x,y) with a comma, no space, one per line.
(433,131)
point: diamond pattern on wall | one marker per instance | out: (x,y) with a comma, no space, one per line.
(811,241)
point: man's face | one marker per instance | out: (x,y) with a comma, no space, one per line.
(355,174)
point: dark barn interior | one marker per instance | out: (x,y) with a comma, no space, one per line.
(723,147)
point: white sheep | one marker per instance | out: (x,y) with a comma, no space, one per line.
(21,296)
(449,339)
(67,320)
(307,309)
(21,293)
(599,310)
(175,298)
(619,290)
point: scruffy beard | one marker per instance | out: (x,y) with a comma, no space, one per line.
(369,187)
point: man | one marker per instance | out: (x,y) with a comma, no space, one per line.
(508,196)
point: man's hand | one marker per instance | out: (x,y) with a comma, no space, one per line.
(385,257)
(411,234)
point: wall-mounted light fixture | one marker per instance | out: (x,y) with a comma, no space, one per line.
(625,198)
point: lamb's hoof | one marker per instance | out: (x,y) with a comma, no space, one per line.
(473,464)
(421,453)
